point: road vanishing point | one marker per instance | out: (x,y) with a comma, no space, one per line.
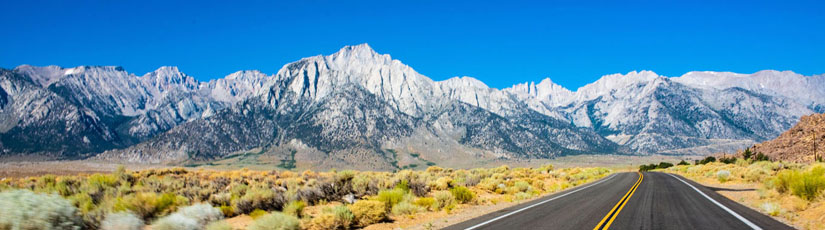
(630,200)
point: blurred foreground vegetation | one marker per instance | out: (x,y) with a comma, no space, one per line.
(177,198)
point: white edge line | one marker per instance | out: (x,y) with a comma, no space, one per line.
(536,204)
(746,221)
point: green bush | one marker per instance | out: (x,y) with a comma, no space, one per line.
(756,174)
(782,181)
(463,194)
(275,221)
(343,216)
(258,197)
(390,197)
(368,212)
(149,205)
(406,208)
(683,162)
(706,160)
(339,217)
(444,199)
(121,221)
(295,208)
(426,202)
(761,157)
(361,184)
(643,168)
(257,213)
(809,184)
(23,209)
(522,186)
(664,165)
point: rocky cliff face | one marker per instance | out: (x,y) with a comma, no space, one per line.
(799,143)
(360,106)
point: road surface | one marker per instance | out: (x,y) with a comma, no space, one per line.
(649,200)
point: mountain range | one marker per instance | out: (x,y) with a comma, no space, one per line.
(357,107)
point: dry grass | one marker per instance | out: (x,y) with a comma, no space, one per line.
(155,194)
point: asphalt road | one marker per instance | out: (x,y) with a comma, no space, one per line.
(649,200)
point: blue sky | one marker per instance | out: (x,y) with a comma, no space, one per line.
(500,43)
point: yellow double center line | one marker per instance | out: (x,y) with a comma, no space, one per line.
(608,219)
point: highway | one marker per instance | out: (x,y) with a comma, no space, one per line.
(629,200)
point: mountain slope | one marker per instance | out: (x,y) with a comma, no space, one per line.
(358,101)
(798,143)
(34,120)
(649,113)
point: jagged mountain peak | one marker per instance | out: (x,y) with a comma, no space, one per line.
(43,76)
(546,91)
(362,49)
(167,77)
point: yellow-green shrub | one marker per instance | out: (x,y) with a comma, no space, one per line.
(295,208)
(426,202)
(462,194)
(339,217)
(406,208)
(257,213)
(275,221)
(391,197)
(368,212)
(444,199)
(809,184)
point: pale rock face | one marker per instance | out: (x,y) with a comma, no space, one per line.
(805,90)
(236,87)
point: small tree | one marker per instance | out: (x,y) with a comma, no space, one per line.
(747,154)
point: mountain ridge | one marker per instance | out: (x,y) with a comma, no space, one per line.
(635,113)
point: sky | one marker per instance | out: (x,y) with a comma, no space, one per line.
(501,43)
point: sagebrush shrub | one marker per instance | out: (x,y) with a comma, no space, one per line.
(339,217)
(809,184)
(368,212)
(406,208)
(771,208)
(522,186)
(275,221)
(23,209)
(723,175)
(259,198)
(426,202)
(391,197)
(782,181)
(257,213)
(756,174)
(202,213)
(463,194)
(295,208)
(343,216)
(121,221)
(175,221)
(444,199)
